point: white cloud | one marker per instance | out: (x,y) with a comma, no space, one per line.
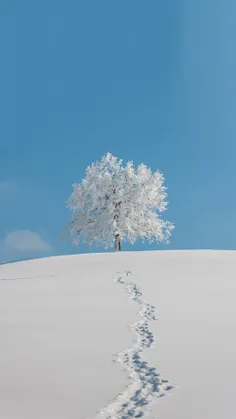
(26,241)
(23,244)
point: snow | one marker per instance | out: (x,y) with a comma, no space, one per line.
(64,320)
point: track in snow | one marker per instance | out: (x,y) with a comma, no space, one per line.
(146,384)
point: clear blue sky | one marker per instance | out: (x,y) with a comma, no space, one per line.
(152,82)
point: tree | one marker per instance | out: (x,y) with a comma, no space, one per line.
(116,203)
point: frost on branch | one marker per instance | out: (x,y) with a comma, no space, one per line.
(116,203)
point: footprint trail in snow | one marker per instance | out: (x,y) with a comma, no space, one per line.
(146,384)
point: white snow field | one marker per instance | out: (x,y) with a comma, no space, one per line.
(64,320)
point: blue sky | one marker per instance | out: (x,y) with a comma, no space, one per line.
(151,82)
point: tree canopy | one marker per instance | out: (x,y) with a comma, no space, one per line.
(116,203)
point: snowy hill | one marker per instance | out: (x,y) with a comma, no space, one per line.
(63,321)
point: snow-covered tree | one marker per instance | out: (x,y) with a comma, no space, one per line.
(115,203)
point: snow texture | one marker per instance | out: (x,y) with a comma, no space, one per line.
(146,383)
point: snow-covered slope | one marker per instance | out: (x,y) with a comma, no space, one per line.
(63,321)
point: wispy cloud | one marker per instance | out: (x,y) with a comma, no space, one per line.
(6,186)
(23,244)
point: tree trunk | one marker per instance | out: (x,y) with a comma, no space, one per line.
(118,244)
(116,219)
